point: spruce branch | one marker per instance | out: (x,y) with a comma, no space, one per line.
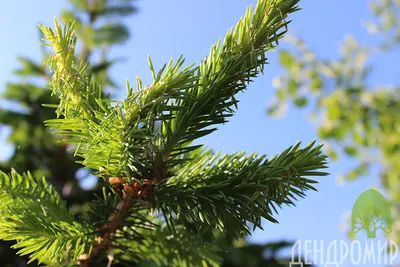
(37,152)
(140,145)
(114,223)
(230,66)
(228,192)
(26,192)
(116,216)
(187,102)
(34,215)
(169,249)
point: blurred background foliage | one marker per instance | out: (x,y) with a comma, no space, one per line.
(357,117)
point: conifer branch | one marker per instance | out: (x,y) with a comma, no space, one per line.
(144,141)
(34,215)
(230,66)
(187,102)
(228,192)
(108,230)
(169,249)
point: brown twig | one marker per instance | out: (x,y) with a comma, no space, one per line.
(139,190)
(114,222)
(129,193)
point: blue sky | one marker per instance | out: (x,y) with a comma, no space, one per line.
(165,29)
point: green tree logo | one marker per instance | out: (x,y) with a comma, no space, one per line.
(371,212)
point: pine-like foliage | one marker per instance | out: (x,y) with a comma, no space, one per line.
(35,148)
(34,215)
(165,191)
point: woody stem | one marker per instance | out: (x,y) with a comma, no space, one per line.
(114,223)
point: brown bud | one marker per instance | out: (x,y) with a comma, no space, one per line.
(116,180)
(131,189)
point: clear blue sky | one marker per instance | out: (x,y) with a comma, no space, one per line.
(165,29)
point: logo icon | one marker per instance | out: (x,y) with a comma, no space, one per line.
(371,212)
